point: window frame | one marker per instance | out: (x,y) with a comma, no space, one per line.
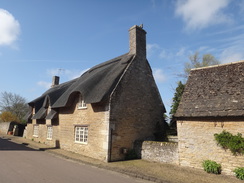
(81,134)
(35,130)
(81,103)
(49,132)
(49,109)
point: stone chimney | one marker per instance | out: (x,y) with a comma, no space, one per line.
(55,81)
(138,41)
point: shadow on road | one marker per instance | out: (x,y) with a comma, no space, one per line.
(7,145)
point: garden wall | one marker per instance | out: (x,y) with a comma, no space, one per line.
(4,127)
(197,143)
(163,152)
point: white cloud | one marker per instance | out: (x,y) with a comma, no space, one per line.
(152,48)
(9,28)
(159,75)
(76,75)
(155,50)
(199,14)
(231,55)
(181,52)
(241,6)
(163,54)
(66,73)
(44,84)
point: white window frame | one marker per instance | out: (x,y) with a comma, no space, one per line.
(81,134)
(81,103)
(49,109)
(49,132)
(36,130)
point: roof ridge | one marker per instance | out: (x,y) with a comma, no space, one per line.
(218,65)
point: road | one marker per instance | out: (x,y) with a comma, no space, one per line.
(20,164)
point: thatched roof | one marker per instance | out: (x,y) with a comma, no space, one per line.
(216,91)
(95,85)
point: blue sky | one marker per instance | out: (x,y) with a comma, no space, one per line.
(42,38)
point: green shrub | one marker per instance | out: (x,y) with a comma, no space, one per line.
(211,167)
(233,142)
(239,173)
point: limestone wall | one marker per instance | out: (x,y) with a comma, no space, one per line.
(95,117)
(42,134)
(136,109)
(4,126)
(163,152)
(197,143)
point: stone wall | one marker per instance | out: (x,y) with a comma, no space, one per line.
(197,143)
(163,152)
(136,109)
(95,117)
(4,126)
(42,134)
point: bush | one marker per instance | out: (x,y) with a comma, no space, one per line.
(239,173)
(233,142)
(211,167)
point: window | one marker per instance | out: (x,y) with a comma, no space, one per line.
(81,103)
(36,131)
(49,132)
(81,134)
(49,109)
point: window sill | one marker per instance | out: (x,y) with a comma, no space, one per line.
(81,108)
(82,143)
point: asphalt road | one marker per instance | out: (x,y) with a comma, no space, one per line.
(20,164)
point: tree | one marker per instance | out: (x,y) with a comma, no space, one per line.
(177,97)
(196,61)
(176,101)
(15,104)
(7,116)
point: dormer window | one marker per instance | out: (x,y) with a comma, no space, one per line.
(49,109)
(81,103)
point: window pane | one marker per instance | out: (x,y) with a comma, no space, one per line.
(81,134)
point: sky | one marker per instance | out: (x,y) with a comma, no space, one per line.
(43,38)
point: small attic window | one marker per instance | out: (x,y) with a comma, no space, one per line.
(49,109)
(81,103)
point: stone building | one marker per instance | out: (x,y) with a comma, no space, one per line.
(213,101)
(101,113)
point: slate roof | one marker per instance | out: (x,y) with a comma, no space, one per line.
(95,85)
(216,91)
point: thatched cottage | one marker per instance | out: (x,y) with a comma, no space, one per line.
(101,113)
